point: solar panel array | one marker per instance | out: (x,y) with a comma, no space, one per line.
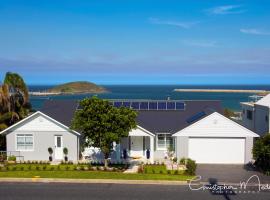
(196,117)
(149,105)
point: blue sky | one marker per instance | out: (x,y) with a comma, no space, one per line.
(136,42)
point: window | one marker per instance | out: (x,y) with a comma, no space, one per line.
(249,114)
(164,141)
(25,142)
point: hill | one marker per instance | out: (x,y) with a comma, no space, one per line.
(77,87)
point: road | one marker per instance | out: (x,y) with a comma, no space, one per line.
(59,191)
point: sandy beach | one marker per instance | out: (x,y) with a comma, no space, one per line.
(263,92)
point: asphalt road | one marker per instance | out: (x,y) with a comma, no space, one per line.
(59,191)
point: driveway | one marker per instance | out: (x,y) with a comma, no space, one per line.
(229,173)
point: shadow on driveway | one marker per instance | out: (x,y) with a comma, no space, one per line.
(229,173)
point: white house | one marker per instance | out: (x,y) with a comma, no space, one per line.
(255,115)
(194,129)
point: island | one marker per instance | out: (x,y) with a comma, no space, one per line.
(78,87)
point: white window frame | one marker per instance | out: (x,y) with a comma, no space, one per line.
(165,140)
(23,135)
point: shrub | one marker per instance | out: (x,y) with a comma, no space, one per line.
(44,167)
(29,167)
(145,170)
(176,172)
(161,172)
(153,171)
(37,168)
(168,172)
(7,168)
(191,167)
(14,168)
(22,168)
(182,161)
(175,159)
(12,158)
(67,167)
(52,168)
(261,153)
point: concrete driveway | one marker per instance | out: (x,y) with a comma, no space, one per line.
(229,173)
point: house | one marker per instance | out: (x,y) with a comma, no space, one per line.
(255,115)
(194,129)
(30,138)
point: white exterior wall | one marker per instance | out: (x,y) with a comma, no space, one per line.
(245,121)
(43,131)
(261,119)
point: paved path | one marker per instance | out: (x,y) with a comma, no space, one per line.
(64,191)
(229,173)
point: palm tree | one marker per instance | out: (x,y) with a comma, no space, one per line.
(14,100)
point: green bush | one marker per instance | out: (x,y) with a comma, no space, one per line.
(67,167)
(161,172)
(168,171)
(261,153)
(191,167)
(22,168)
(14,168)
(182,161)
(153,171)
(37,168)
(7,168)
(52,168)
(145,170)
(12,158)
(44,167)
(29,167)
(176,172)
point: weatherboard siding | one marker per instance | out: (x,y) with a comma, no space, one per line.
(43,131)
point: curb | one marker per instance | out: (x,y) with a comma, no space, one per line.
(112,181)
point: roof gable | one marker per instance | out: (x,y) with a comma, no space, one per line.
(216,125)
(265,101)
(38,122)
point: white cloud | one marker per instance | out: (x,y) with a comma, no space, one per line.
(254,31)
(185,25)
(226,9)
(200,43)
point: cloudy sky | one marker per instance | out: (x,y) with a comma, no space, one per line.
(136,42)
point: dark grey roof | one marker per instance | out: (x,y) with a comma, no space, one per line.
(155,121)
(60,110)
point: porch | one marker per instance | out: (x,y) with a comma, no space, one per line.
(139,145)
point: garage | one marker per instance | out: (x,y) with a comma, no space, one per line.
(215,139)
(217,150)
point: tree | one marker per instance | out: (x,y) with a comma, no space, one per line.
(261,153)
(101,124)
(14,102)
(229,113)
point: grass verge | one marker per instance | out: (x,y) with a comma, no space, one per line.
(92,175)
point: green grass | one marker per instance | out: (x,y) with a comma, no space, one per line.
(160,169)
(92,175)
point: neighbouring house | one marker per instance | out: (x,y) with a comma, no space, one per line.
(30,138)
(194,129)
(255,115)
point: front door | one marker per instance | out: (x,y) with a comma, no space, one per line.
(136,146)
(58,152)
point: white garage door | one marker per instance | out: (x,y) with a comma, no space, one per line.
(217,150)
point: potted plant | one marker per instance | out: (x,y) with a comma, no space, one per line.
(65,151)
(50,150)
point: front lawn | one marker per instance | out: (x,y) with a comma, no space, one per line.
(92,175)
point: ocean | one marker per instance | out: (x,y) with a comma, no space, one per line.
(159,92)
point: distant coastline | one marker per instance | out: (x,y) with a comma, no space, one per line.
(262,92)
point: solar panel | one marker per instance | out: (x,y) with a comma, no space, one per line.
(149,105)
(180,105)
(162,106)
(126,104)
(117,104)
(196,117)
(144,106)
(170,105)
(152,105)
(135,105)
